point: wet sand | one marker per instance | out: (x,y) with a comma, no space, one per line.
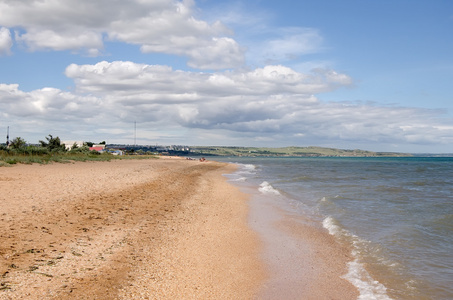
(155,229)
(305,261)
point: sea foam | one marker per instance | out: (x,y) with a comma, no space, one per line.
(368,288)
(246,169)
(268,189)
(244,172)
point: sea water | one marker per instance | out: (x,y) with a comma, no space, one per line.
(395,213)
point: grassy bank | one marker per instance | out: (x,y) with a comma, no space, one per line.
(11,158)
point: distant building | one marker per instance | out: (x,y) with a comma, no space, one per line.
(98,148)
(69,144)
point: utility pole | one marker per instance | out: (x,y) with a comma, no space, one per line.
(135,133)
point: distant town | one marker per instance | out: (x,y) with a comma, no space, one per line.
(151,149)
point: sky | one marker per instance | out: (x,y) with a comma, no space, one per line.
(350,74)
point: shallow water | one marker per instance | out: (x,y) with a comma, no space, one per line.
(397,213)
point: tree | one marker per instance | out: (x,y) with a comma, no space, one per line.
(53,144)
(17,143)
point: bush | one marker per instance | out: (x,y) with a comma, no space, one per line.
(53,144)
(83,149)
(17,143)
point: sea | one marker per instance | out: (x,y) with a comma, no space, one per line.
(395,213)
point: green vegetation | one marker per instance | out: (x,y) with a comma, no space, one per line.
(52,150)
(17,143)
(53,144)
(287,151)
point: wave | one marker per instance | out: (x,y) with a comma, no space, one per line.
(368,288)
(268,189)
(247,168)
(239,179)
(243,173)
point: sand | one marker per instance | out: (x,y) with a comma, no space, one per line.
(153,229)
(130,229)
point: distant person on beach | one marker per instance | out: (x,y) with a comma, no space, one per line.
(202,159)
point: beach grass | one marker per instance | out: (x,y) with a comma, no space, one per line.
(9,158)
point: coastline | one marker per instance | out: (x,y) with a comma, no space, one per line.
(304,260)
(166,228)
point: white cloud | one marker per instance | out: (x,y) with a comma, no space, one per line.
(274,105)
(166,26)
(219,53)
(46,104)
(106,77)
(5,41)
(89,42)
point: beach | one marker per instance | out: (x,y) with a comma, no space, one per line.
(165,228)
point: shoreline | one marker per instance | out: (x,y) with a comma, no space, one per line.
(304,260)
(166,228)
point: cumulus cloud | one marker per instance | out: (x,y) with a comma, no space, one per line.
(150,84)
(270,105)
(5,41)
(87,42)
(48,104)
(273,105)
(166,26)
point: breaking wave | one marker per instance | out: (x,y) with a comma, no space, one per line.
(268,189)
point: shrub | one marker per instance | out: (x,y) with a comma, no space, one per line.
(53,144)
(83,149)
(17,143)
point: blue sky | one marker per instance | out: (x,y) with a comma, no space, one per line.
(375,75)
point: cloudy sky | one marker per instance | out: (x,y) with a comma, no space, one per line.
(374,75)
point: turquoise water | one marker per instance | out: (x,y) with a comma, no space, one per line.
(397,213)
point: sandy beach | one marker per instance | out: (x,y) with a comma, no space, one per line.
(130,229)
(148,229)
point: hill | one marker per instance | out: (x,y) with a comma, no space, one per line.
(288,151)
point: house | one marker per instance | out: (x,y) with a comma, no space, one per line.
(98,148)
